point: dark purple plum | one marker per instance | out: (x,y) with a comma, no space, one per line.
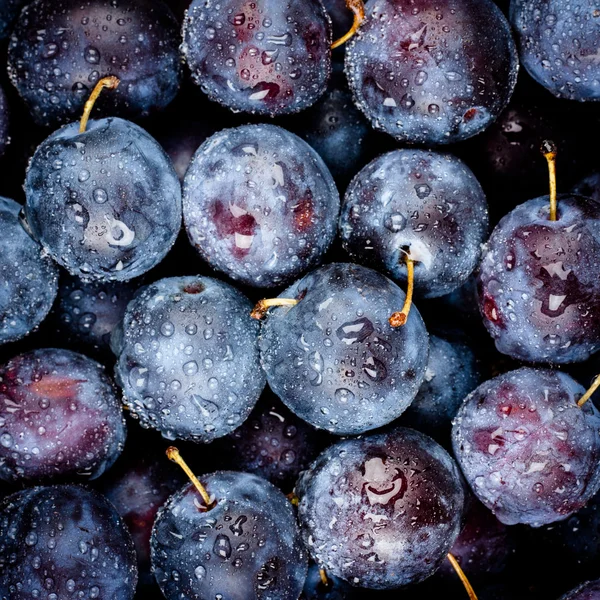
(106,203)
(334,359)
(432,71)
(589,186)
(259,204)
(558,45)
(64,542)
(483,547)
(59,51)
(9,10)
(381,511)
(273,443)
(4,122)
(87,313)
(452,373)
(246,546)
(539,291)
(188,359)
(28,278)
(586,591)
(335,589)
(422,203)
(528,451)
(138,485)
(341,16)
(268,57)
(59,417)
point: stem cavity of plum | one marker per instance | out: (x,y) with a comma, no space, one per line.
(358,8)
(110,83)
(173,455)
(463,578)
(595,385)
(549,151)
(398,319)
(259,312)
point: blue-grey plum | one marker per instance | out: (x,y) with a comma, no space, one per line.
(538,285)
(590,590)
(59,417)
(267,57)
(64,542)
(432,71)
(188,358)
(59,51)
(528,451)
(335,589)
(259,204)
(87,313)
(4,122)
(9,10)
(558,45)
(452,373)
(106,203)
(247,546)
(381,511)
(334,359)
(28,279)
(422,203)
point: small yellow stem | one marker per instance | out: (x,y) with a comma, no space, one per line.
(260,310)
(398,319)
(293,498)
(462,577)
(358,8)
(590,392)
(111,83)
(323,576)
(549,151)
(173,454)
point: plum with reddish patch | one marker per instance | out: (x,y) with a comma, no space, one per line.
(381,511)
(432,71)
(59,417)
(528,451)
(259,204)
(267,57)
(538,286)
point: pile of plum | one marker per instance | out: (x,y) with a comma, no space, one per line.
(338,260)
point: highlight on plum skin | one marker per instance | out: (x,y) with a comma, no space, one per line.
(529,452)
(381,511)
(417,75)
(60,418)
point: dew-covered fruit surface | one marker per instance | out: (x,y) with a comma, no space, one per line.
(335,589)
(452,373)
(426,204)
(528,451)
(60,417)
(586,591)
(267,57)
(381,511)
(259,204)
(87,313)
(334,359)
(341,17)
(273,443)
(28,280)
(64,542)
(538,288)
(188,359)
(558,45)
(246,547)
(58,51)
(106,203)
(4,121)
(432,71)
(138,485)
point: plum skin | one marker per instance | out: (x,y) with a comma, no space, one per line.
(528,451)
(381,511)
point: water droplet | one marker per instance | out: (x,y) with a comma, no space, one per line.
(222,547)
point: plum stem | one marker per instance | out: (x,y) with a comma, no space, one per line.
(323,576)
(595,385)
(111,83)
(398,319)
(549,151)
(173,454)
(260,310)
(358,8)
(462,577)
(293,498)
